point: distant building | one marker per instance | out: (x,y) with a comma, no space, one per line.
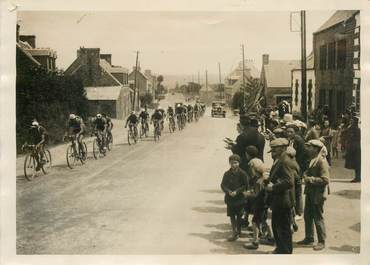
(152,81)
(234,80)
(28,55)
(310,85)
(276,79)
(106,85)
(141,80)
(337,62)
(206,94)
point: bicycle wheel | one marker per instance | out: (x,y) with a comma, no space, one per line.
(135,135)
(109,142)
(83,153)
(141,131)
(96,148)
(129,137)
(71,156)
(47,165)
(170,127)
(30,165)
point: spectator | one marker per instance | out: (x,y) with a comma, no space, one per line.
(353,149)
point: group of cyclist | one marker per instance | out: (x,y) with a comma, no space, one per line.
(102,125)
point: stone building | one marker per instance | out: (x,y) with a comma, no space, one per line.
(106,85)
(276,79)
(337,63)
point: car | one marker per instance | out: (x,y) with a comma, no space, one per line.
(218,109)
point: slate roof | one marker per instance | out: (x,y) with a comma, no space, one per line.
(278,72)
(103,92)
(336,18)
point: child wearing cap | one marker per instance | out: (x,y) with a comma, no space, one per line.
(234,183)
(257,197)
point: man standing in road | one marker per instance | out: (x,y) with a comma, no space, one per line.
(281,188)
(316,179)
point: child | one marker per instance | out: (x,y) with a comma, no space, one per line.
(234,183)
(256,195)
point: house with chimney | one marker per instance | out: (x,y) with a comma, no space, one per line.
(106,85)
(152,81)
(29,55)
(276,79)
(141,80)
(336,47)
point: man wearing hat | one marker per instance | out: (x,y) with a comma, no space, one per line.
(297,143)
(248,136)
(281,187)
(316,178)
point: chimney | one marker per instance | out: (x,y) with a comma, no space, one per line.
(265,59)
(107,57)
(30,39)
(91,58)
(18,32)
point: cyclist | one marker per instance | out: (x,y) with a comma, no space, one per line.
(157,117)
(76,127)
(163,112)
(109,124)
(184,114)
(190,113)
(100,128)
(38,136)
(132,120)
(196,110)
(144,116)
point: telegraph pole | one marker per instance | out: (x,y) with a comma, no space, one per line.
(135,87)
(219,78)
(303,67)
(244,89)
(207,86)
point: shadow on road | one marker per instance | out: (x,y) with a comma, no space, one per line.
(209,209)
(216,202)
(212,191)
(349,194)
(347,248)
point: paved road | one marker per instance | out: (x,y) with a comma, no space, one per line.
(152,198)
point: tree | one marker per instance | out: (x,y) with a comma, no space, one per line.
(146,99)
(250,96)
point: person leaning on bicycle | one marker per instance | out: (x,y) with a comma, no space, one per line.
(144,116)
(75,127)
(100,126)
(132,120)
(157,117)
(37,136)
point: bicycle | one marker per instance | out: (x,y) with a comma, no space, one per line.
(75,153)
(98,147)
(157,130)
(172,124)
(144,129)
(132,134)
(196,116)
(33,162)
(109,139)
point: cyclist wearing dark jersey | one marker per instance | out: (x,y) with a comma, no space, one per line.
(100,128)
(37,136)
(132,119)
(157,117)
(76,127)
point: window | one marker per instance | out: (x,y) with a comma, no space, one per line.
(331,55)
(296,85)
(323,56)
(342,54)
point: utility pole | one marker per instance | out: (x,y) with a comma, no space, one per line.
(303,67)
(244,89)
(219,78)
(207,87)
(135,88)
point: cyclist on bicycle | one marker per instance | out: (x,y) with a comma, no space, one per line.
(109,124)
(132,120)
(196,109)
(76,127)
(38,136)
(157,117)
(190,113)
(163,112)
(144,116)
(170,111)
(100,129)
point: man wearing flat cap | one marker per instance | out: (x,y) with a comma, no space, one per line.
(316,178)
(281,187)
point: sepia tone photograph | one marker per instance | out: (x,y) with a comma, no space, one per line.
(182,133)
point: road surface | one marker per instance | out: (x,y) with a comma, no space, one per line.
(154,198)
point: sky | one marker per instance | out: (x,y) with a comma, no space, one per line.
(173,43)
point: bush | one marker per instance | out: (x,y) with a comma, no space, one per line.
(146,99)
(48,97)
